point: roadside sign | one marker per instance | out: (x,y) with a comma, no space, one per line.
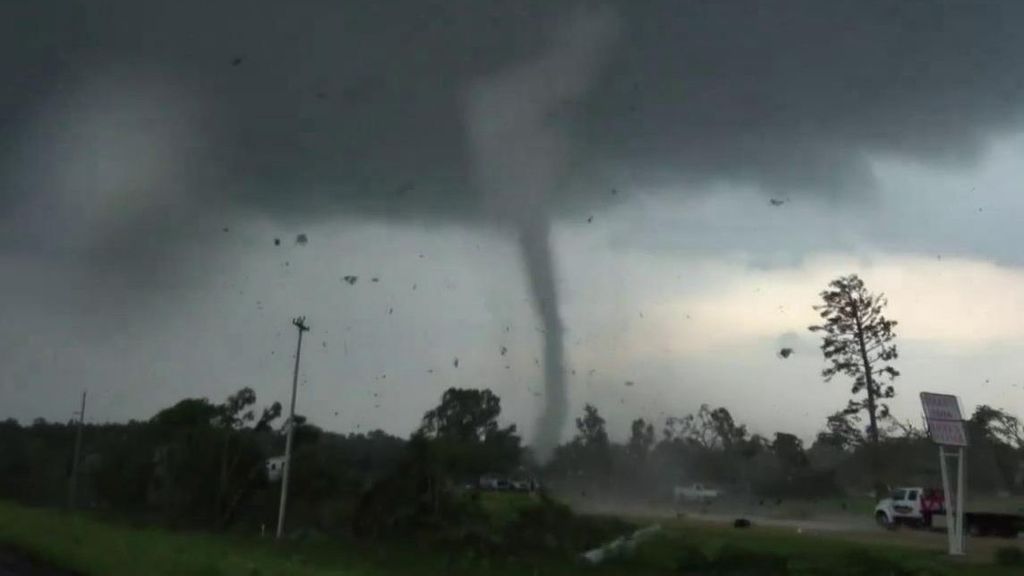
(947,432)
(940,406)
(946,428)
(944,419)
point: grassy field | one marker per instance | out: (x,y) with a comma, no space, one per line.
(99,548)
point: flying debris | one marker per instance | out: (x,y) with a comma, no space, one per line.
(629,383)
(236,61)
(375,279)
(302,240)
(504,350)
(405,189)
(413,286)
(390,310)
(785,352)
(321,95)
(590,219)
(776,202)
(324,344)
(614,191)
(430,371)
(225,229)
(350,279)
(455,362)
(277,241)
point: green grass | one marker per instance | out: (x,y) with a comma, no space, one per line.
(98,548)
(504,507)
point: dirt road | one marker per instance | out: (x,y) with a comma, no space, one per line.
(823,524)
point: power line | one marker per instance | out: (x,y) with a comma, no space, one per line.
(73,487)
(300,324)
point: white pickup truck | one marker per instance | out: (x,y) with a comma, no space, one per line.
(919,507)
(694,493)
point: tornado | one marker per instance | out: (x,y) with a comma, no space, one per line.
(520,148)
(535,247)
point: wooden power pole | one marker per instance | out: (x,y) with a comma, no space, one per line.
(300,324)
(73,487)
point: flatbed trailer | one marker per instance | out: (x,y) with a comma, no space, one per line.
(919,507)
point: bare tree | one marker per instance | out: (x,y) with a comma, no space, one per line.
(858,342)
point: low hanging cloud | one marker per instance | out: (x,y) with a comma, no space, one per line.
(316,109)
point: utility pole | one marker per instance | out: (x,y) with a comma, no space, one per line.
(299,323)
(73,488)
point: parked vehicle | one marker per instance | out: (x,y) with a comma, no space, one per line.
(495,483)
(919,507)
(694,493)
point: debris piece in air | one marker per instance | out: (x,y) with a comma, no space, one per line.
(405,189)
(350,279)
(590,219)
(237,60)
(321,95)
(741,523)
(614,191)
(324,343)
(277,241)
(776,202)
(413,286)
(785,352)
(374,279)
(504,350)
(629,383)
(225,229)
(455,362)
(302,240)
(390,310)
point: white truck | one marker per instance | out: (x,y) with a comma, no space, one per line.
(694,493)
(919,507)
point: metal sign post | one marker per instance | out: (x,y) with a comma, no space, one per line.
(946,428)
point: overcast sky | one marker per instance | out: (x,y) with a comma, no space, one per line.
(151,153)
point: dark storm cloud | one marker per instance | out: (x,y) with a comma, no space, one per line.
(318,107)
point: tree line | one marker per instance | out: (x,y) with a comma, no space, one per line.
(203,464)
